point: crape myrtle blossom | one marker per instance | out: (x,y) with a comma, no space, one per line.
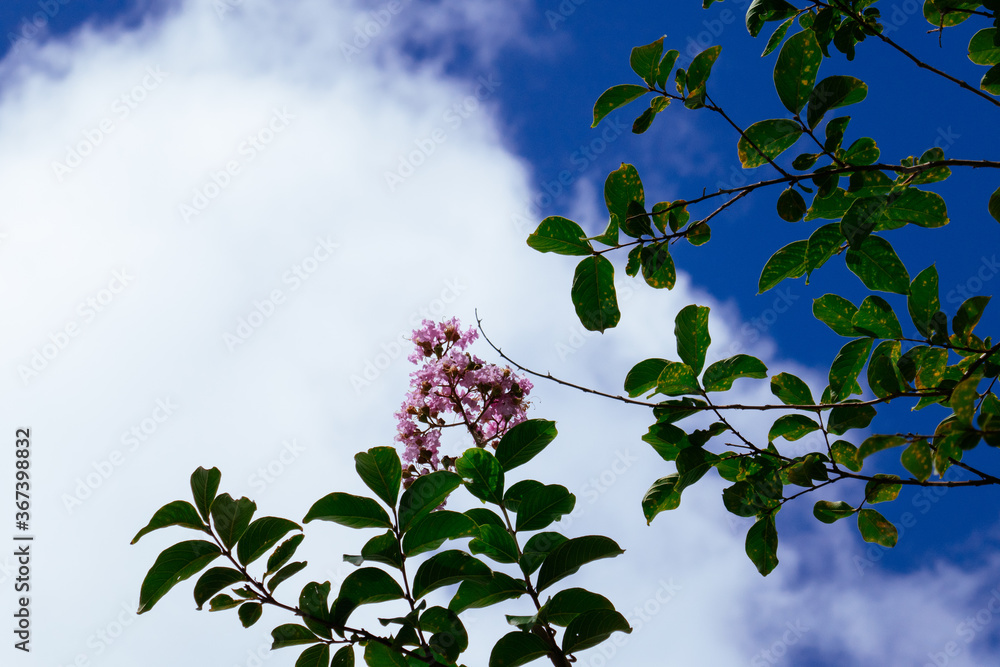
(454,388)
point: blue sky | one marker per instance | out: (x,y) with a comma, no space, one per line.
(157,254)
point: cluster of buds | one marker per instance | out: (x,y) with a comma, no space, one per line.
(453,388)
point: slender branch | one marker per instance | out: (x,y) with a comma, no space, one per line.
(717,109)
(916,61)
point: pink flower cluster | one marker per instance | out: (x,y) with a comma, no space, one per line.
(454,388)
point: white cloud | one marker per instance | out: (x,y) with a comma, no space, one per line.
(306,256)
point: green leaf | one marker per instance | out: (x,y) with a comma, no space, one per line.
(983,47)
(795,70)
(917,460)
(315,605)
(848,416)
(592,628)
(829,512)
(864,215)
(942,13)
(792,427)
(834,92)
(644,121)
(177,513)
(512,499)
(213,581)
(496,543)
(876,319)
(762,544)
(963,400)
(721,375)
(994,205)
(644,376)
(482,474)
(846,367)
(691,332)
(923,301)
(915,207)
(368,585)
(791,390)
(473,594)
(349,510)
(881,489)
(878,443)
(831,207)
(593,294)
(524,441)
(878,266)
(615,97)
(697,76)
(835,130)
(665,66)
(876,528)
(571,555)
(967,316)
(761,11)
(285,573)
(250,612)
(658,269)
(779,34)
(561,236)
(787,262)
(224,602)
(677,379)
(448,636)
(567,604)
(381,471)
(261,535)
(314,656)
(645,61)
(344,657)
(791,205)
(382,548)
(380,655)
(204,486)
(425,494)
(542,505)
(173,566)
(770,137)
(431,532)
(991,81)
(884,377)
(537,548)
(292,635)
(231,517)
(448,567)
(662,496)
(283,553)
(624,196)
(517,648)
(837,313)
(846,454)
(864,151)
